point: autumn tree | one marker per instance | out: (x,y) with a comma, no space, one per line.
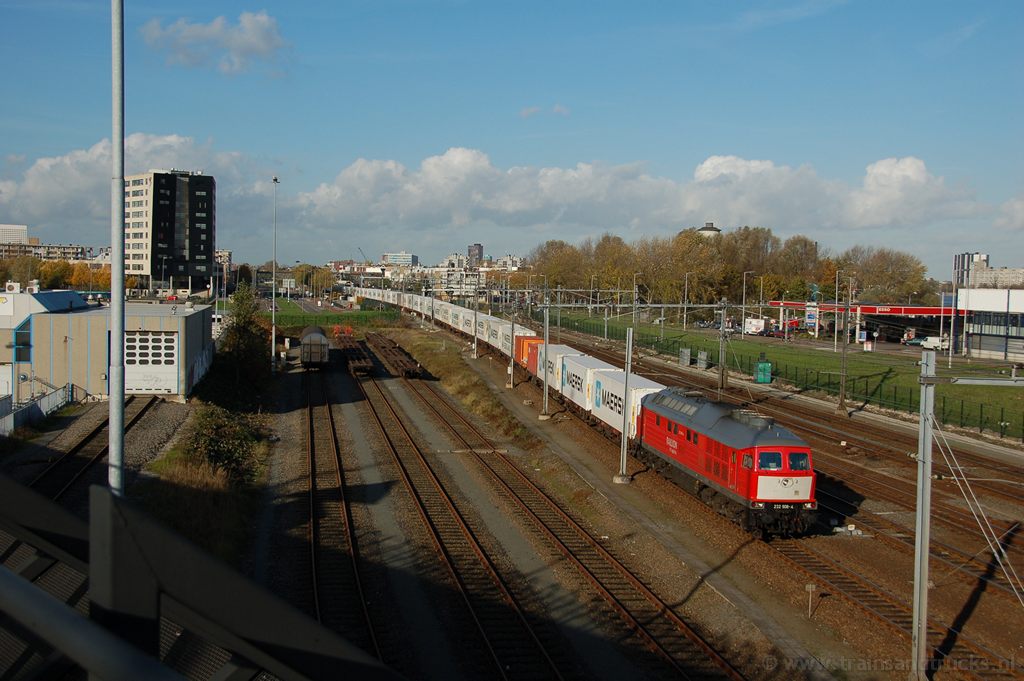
(245,343)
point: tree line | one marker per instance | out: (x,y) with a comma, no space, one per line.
(708,269)
(58,274)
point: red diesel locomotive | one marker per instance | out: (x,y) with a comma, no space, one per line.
(742,464)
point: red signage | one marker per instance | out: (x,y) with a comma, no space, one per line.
(895,310)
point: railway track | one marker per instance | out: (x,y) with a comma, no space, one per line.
(946,558)
(652,620)
(60,476)
(871,484)
(515,649)
(338,598)
(950,648)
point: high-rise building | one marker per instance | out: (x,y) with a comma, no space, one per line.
(170,227)
(13,234)
(402,259)
(475,255)
(964,264)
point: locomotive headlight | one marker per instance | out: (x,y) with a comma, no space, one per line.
(757,504)
(811,504)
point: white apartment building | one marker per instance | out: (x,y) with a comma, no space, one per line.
(13,234)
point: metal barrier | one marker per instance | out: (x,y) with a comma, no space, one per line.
(141,574)
(35,410)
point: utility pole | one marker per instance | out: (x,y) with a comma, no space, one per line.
(919,632)
(723,375)
(558,316)
(842,374)
(544,416)
(512,357)
(686,296)
(475,333)
(622,477)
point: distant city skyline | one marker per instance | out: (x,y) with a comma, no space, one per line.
(852,123)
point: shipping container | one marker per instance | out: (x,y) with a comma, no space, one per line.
(577,380)
(523,344)
(610,397)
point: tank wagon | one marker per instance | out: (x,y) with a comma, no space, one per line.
(314,348)
(741,463)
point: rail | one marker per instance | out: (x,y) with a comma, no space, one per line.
(653,620)
(505,630)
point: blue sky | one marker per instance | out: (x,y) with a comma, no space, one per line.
(426,126)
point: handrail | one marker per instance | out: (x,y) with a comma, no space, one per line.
(87,643)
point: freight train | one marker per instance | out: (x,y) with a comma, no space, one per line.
(314,348)
(742,464)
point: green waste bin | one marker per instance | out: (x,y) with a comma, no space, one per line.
(763,372)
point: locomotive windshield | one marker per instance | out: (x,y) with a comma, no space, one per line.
(799,461)
(769,461)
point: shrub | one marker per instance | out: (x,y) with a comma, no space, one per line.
(227,441)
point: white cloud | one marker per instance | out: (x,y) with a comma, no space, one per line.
(560,109)
(460,197)
(1011,215)
(234,48)
(528,111)
(66,199)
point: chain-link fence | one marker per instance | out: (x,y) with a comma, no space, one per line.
(878,390)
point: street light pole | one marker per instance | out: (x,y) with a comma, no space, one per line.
(273,288)
(743,305)
(115,371)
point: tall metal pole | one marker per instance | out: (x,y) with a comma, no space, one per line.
(686,296)
(952,320)
(723,374)
(842,373)
(558,316)
(622,478)
(634,298)
(273,288)
(475,332)
(743,304)
(544,416)
(115,452)
(512,357)
(919,632)
(760,299)
(835,334)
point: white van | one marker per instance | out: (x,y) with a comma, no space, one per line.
(935,343)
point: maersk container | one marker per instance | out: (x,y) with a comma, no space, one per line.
(577,381)
(610,397)
(553,362)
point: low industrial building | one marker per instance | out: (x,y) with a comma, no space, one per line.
(995,322)
(50,339)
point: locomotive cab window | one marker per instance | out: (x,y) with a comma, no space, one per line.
(769,461)
(799,461)
(748,461)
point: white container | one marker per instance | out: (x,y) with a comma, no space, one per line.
(553,361)
(577,379)
(610,397)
